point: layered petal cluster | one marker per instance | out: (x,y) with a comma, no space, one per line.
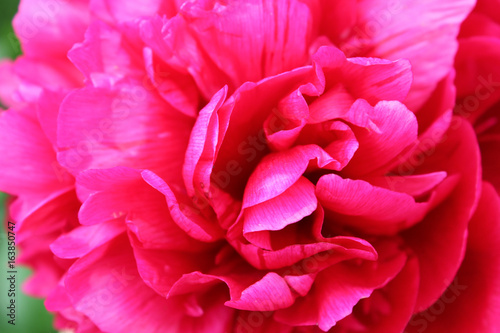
(253,166)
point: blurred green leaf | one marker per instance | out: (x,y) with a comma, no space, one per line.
(9,45)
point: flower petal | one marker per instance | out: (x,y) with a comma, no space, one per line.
(410,30)
(367,207)
(439,240)
(279,171)
(58,24)
(80,241)
(336,291)
(123,125)
(298,201)
(122,192)
(235,42)
(117,298)
(475,290)
(28,164)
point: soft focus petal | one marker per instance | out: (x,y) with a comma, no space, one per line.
(124,125)
(28,164)
(59,24)
(444,230)
(416,31)
(475,290)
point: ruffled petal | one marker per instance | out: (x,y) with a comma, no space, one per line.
(122,192)
(410,30)
(336,291)
(233,43)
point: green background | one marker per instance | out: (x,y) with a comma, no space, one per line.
(31,316)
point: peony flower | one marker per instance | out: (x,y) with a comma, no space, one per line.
(248,166)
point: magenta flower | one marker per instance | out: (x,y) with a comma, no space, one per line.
(249,166)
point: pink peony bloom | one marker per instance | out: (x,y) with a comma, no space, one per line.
(253,166)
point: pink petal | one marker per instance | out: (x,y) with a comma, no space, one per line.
(338,17)
(439,240)
(187,217)
(117,11)
(236,144)
(484,20)
(279,171)
(336,291)
(378,79)
(244,140)
(202,143)
(331,250)
(48,111)
(368,78)
(58,24)
(439,105)
(105,286)
(9,84)
(50,214)
(106,52)
(414,185)
(474,292)
(122,192)
(394,133)
(334,136)
(46,274)
(124,125)
(298,201)
(176,88)
(249,288)
(231,270)
(234,43)
(308,230)
(107,279)
(388,309)
(28,163)
(491,161)
(334,102)
(226,208)
(82,240)
(51,74)
(58,299)
(401,292)
(172,41)
(283,126)
(367,207)
(434,134)
(268,294)
(478,78)
(410,30)
(69,318)
(161,268)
